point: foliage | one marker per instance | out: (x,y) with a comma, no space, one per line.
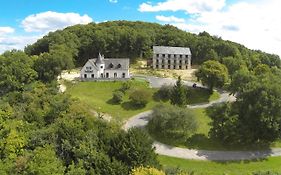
(139,97)
(178,94)
(256,111)
(146,171)
(134,148)
(15,71)
(164,93)
(172,122)
(213,74)
(44,132)
(117,97)
(134,39)
(126,86)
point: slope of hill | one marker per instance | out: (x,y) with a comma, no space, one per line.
(135,39)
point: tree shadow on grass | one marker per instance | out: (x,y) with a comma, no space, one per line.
(198,95)
(112,102)
(128,105)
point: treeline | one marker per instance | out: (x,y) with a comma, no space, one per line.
(135,39)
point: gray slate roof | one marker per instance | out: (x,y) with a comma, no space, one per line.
(171,50)
(113,63)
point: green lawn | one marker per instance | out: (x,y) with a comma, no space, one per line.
(222,168)
(97,96)
(201,95)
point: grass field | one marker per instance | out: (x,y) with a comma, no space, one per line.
(222,168)
(97,96)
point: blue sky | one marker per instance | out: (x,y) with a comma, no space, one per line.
(254,23)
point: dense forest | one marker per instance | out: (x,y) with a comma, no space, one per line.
(135,39)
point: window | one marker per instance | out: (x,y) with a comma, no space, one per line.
(179,67)
(169,61)
(123,75)
(175,56)
(180,56)
(157,55)
(107,75)
(101,75)
(115,75)
(85,75)
(169,66)
(157,66)
(93,75)
(111,66)
(157,61)
(169,55)
(180,61)
(163,67)
(186,56)
(175,61)
(88,68)
(163,55)
(101,67)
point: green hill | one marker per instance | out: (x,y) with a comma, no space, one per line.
(135,39)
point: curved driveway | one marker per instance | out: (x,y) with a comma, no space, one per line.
(142,119)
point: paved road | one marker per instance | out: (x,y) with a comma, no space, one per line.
(142,119)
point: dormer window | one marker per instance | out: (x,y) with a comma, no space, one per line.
(111,65)
(101,67)
(119,66)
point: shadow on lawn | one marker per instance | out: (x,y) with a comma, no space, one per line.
(128,105)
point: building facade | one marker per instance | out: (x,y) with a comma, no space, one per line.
(109,68)
(171,57)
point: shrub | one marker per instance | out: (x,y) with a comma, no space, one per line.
(164,93)
(126,86)
(146,171)
(117,97)
(139,97)
(172,121)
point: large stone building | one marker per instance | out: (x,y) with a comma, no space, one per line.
(171,57)
(109,68)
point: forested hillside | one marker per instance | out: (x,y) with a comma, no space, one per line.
(135,39)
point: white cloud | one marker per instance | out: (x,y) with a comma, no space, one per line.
(113,1)
(255,24)
(189,6)
(169,19)
(6,30)
(50,21)
(16,42)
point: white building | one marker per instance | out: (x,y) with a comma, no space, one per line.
(109,68)
(171,57)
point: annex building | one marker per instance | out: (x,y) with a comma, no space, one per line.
(171,57)
(105,68)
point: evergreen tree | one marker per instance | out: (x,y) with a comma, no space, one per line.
(178,95)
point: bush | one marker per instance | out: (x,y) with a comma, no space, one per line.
(172,121)
(126,86)
(164,93)
(117,97)
(146,171)
(139,98)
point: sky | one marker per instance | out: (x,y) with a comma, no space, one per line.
(253,23)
